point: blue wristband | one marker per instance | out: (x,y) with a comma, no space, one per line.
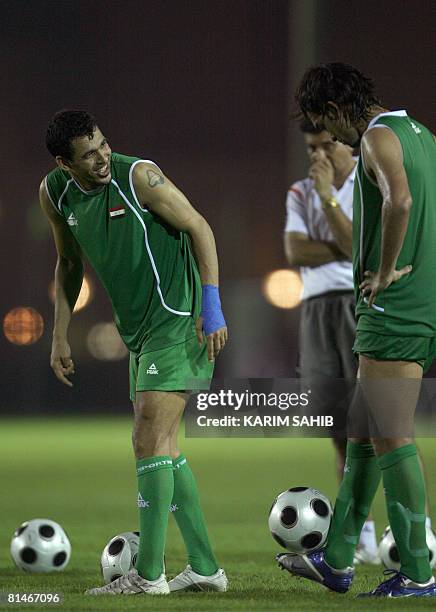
(211,312)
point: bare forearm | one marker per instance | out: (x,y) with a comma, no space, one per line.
(341,227)
(312,253)
(203,244)
(68,281)
(395,219)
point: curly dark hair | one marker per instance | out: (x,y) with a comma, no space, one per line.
(64,126)
(340,83)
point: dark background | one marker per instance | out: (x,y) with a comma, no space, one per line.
(204,88)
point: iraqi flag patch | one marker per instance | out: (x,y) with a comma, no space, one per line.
(117,211)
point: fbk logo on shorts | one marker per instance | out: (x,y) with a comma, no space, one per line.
(152,369)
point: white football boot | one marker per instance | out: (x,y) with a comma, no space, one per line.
(188,580)
(133,584)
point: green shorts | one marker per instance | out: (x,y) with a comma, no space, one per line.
(420,349)
(181,367)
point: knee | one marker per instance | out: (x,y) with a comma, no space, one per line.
(386,445)
(149,443)
(149,437)
(359,440)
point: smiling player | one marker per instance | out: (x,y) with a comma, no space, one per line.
(156,257)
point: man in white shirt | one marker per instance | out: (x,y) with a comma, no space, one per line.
(318,239)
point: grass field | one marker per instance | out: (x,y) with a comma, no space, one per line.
(81,474)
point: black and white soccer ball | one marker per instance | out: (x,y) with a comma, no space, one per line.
(119,555)
(388,550)
(40,545)
(299,519)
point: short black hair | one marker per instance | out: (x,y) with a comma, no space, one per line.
(64,126)
(339,83)
(307,127)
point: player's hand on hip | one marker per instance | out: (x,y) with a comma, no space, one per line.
(61,361)
(375,282)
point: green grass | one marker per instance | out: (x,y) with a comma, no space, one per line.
(81,474)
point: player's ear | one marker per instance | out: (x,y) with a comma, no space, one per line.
(63,163)
(333,111)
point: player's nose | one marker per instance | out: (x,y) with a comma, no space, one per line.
(103,154)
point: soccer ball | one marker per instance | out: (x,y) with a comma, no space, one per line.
(388,550)
(299,519)
(40,545)
(119,555)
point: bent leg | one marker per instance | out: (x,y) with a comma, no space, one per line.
(359,484)
(356,493)
(395,400)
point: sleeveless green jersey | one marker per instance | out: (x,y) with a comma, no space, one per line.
(146,266)
(408,306)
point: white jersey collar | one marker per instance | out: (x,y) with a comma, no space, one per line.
(398,113)
(91,192)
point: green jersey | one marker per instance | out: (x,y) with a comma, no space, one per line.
(408,306)
(146,266)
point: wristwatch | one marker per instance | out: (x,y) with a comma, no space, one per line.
(330,203)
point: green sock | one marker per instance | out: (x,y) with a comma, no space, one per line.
(155,491)
(186,508)
(358,487)
(405,498)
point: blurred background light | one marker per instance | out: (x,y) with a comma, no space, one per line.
(282,288)
(23,325)
(85,295)
(104,342)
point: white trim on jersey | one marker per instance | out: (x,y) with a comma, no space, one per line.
(91,192)
(150,254)
(362,218)
(362,157)
(374,306)
(398,113)
(63,193)
(50,198)
(379,308)
(132,188)
(371,126)
(379,125)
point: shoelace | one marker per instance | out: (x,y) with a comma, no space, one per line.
(395,573)
(387,583)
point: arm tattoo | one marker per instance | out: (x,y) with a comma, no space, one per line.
(154,178)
